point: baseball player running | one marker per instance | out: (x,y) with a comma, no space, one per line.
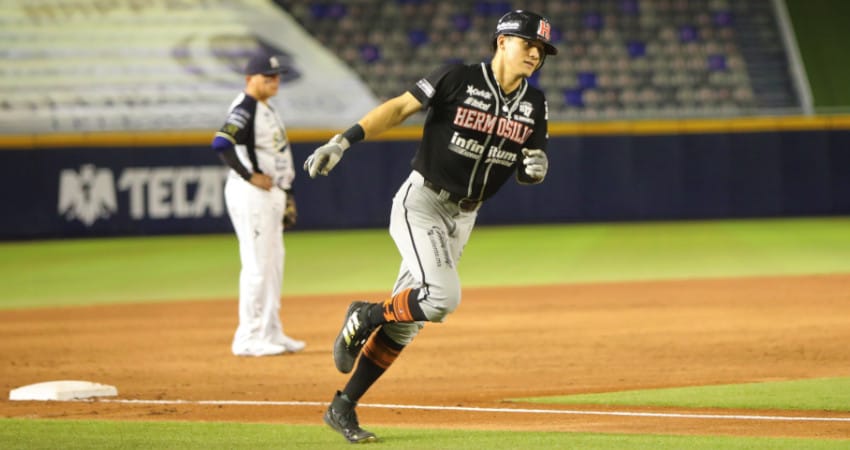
(484,124)
(253,143)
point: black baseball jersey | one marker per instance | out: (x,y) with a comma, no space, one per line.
(474,134)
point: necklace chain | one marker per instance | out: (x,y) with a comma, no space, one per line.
(508,99)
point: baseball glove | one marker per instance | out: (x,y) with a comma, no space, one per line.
(290,215)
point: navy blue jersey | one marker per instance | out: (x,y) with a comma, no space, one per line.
(474,133)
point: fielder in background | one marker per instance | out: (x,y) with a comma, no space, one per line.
(485,124)
(260,203)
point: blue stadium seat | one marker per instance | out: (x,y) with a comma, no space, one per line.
(717,62)
(336,11)
(723,18)
(492,8)
(461,22)
(417,38)
(574,97)
(370,53)
(587,80)
(636,49)
(688,33)
(593,21)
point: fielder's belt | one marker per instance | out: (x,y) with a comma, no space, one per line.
(464,203)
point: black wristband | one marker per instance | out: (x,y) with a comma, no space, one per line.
(354,134)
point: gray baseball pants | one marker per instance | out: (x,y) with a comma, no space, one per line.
(430,233)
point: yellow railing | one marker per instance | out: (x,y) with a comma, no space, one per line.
(412,132)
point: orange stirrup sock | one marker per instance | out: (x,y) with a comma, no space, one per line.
(403,307)
(381,350)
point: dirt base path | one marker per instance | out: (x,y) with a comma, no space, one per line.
(501,343)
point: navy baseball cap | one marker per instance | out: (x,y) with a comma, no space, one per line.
(264,64)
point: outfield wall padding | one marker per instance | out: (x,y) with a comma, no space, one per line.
(148,190)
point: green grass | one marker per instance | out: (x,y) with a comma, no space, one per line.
(825,394)
(816,26)
(664,250)
(71,272)
(65,434)
(109,270)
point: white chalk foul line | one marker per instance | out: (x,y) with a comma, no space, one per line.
(490,410)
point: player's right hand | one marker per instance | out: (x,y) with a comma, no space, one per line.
(325,158)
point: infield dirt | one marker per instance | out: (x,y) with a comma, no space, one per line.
(501,343)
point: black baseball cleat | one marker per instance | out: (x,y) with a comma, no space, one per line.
(352,337)
(341,417)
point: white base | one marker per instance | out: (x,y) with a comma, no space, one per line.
(62,390)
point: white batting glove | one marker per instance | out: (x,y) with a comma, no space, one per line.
(325,158)
(536,163)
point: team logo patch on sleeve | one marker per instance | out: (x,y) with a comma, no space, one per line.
(426,87)
(238,117)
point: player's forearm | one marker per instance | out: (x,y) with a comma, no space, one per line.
(227,153)
(375,122)
(379,120)
(389,114)
(230,159)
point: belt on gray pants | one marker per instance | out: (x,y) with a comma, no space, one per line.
(465,204)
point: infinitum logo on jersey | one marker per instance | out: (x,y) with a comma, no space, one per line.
(88,195)
(152,193)
(471,148)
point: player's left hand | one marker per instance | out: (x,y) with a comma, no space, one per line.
(290,214)
(536,163)
(326,157)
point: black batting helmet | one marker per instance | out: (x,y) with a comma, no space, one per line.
(528,25)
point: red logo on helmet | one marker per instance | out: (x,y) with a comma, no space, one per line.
(543,30)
